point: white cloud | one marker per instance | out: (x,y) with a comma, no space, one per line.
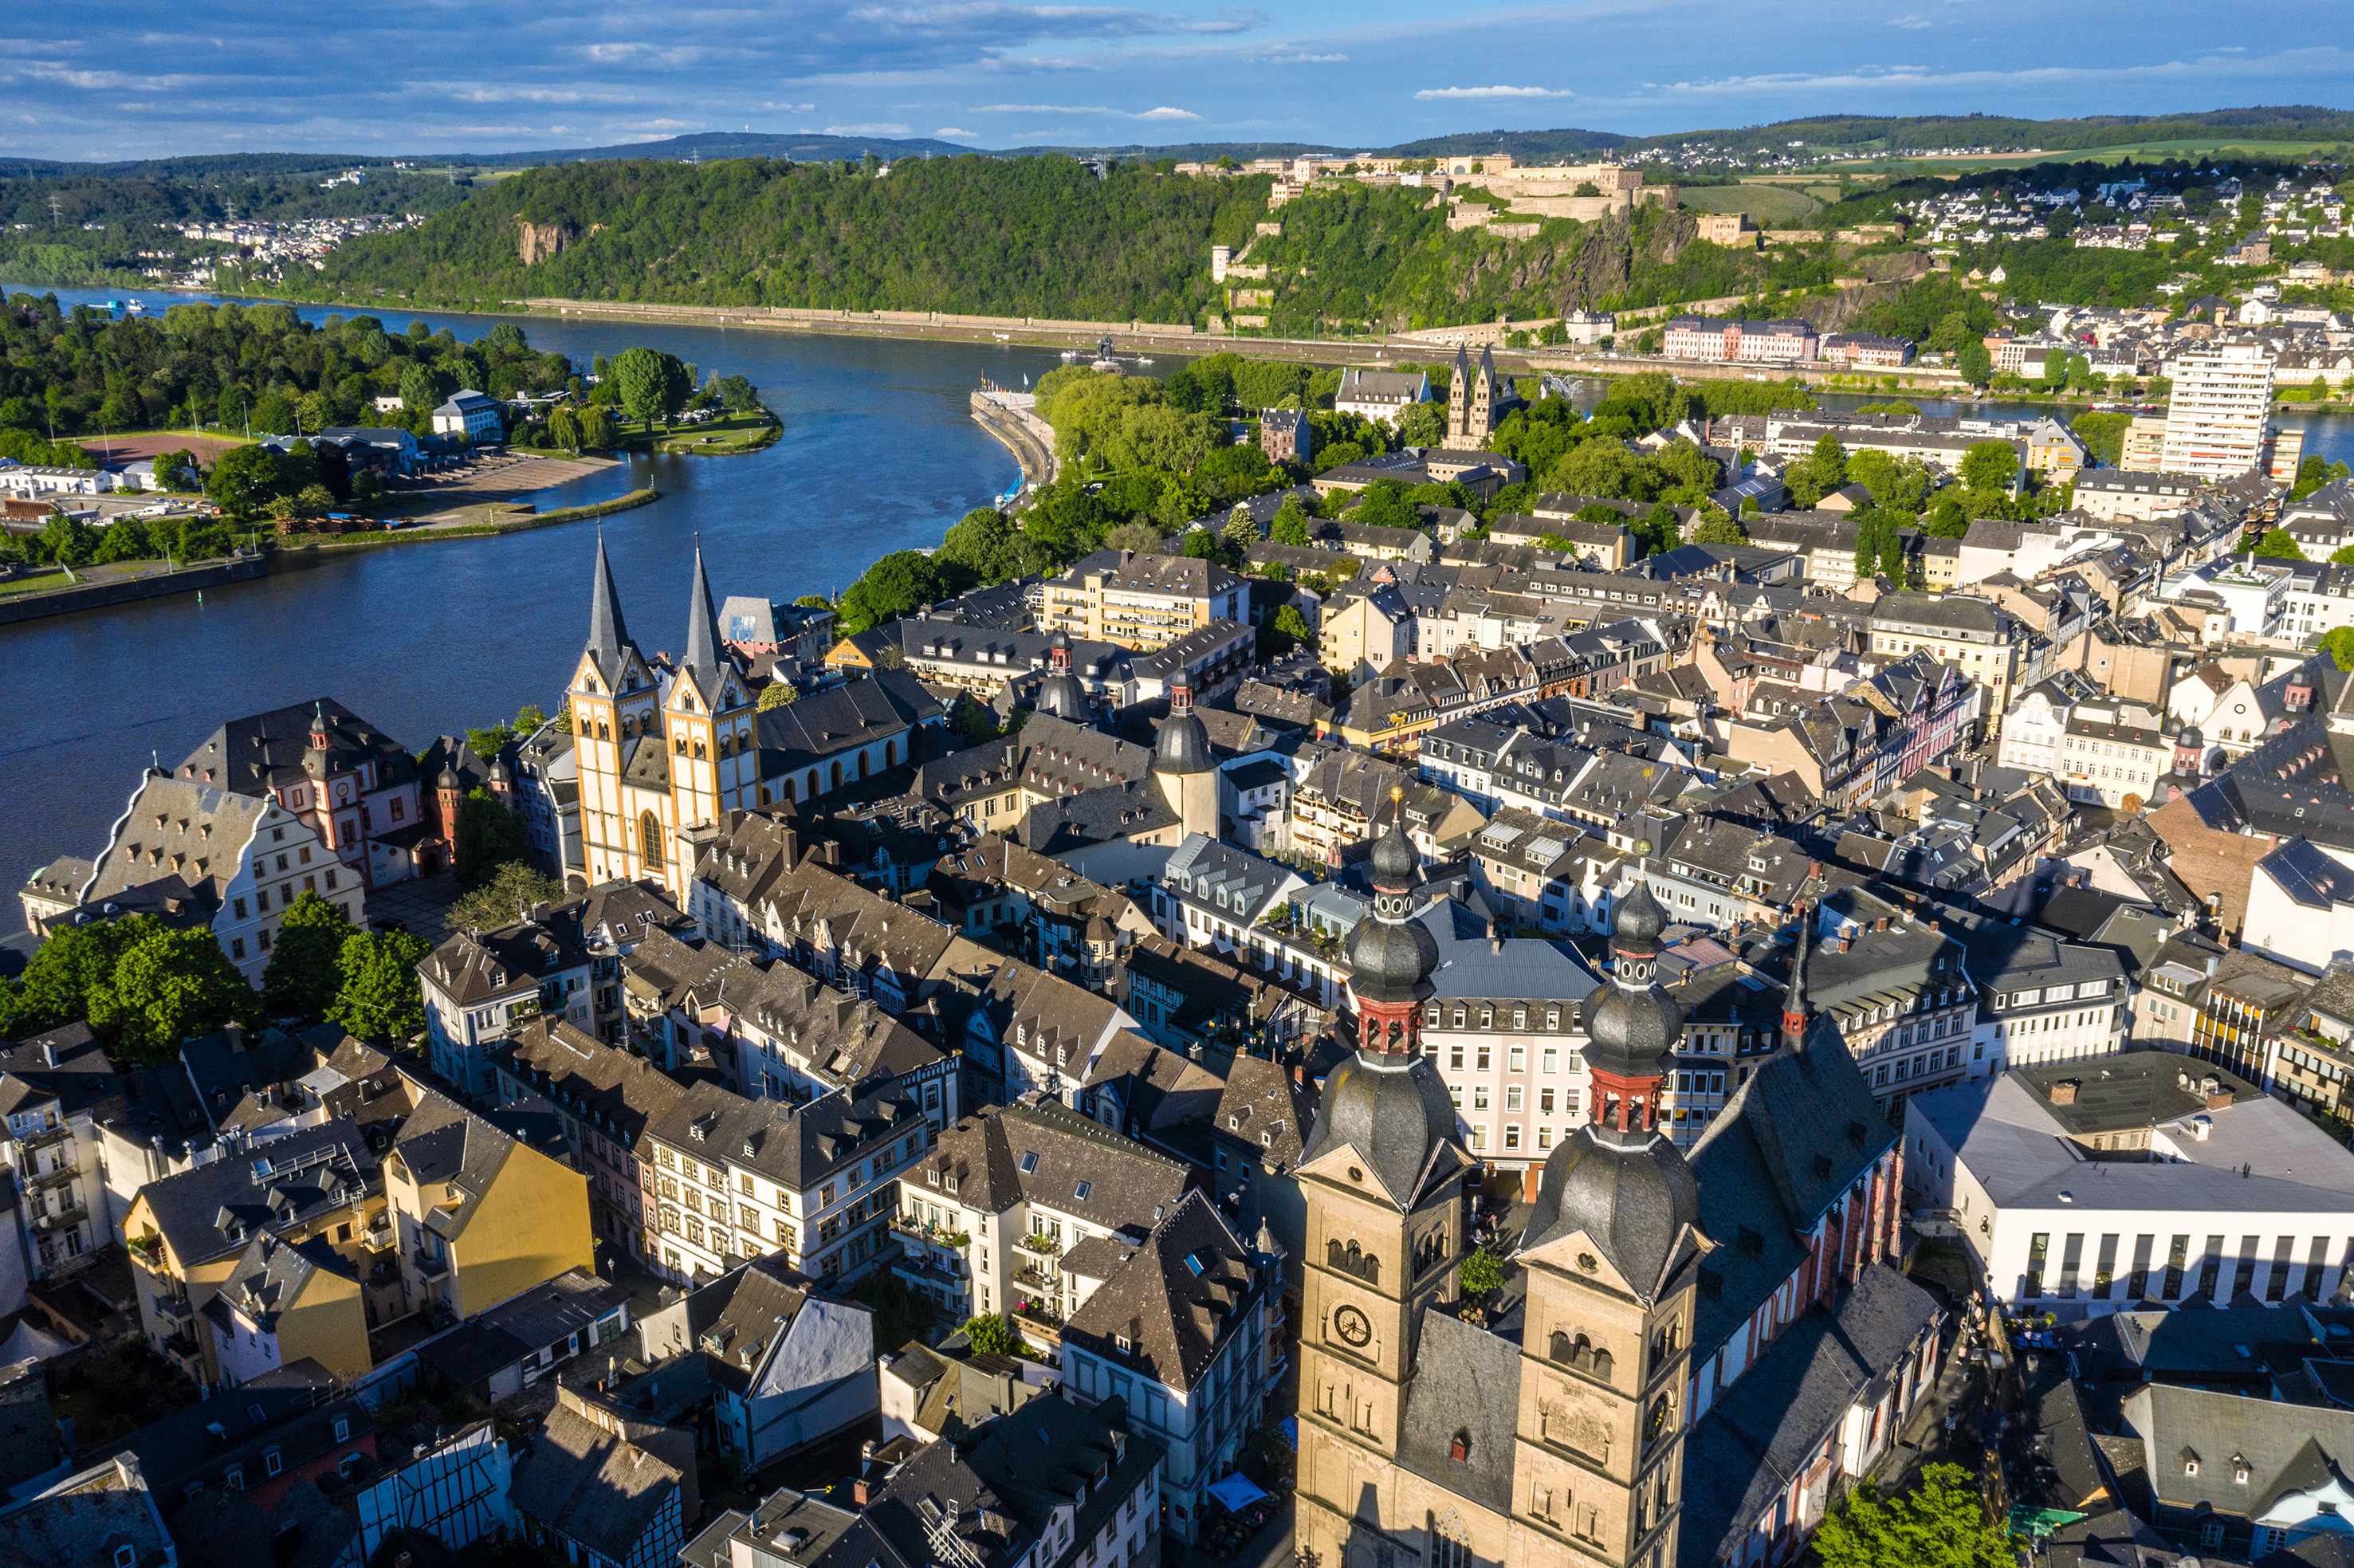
(1163,113)
(1495,92)
(957,131)
(2315,60)
(870,128)
(774,106)
(1911,22)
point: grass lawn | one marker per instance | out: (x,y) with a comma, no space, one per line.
(721,436)
(34,585)
(1764,204)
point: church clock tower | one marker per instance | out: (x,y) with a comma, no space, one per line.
(1384,1176)
(1611,1255)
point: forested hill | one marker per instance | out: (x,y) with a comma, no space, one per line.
(992,236)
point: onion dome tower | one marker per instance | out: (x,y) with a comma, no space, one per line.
(1060,693)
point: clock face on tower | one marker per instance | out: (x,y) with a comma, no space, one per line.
(1352,1327)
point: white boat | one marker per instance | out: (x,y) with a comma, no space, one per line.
(1070,356)
(1002,336)
(135,308)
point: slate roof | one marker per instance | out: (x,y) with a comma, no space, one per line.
(1261,1104)
(1177,1298)
(187,837)
(442,1142)
(2284,1447)
(2018,1144)
(1791,1140)
(271,1276)
(613,1089)
(66,1066)
(82,1522)
(1466,1382)
(796,1146)
(825,724)
(1129,1186)
(1754,1441)
(589,1486)
(737,1320)
(261,752)
(473,1351)
(210,1211)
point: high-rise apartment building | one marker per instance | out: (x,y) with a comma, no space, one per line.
(2215,424)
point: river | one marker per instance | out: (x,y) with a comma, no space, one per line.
(879,453)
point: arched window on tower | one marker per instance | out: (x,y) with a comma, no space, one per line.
(649,837)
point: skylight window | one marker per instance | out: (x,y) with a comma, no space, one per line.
(1084,1189)
(1029,1160)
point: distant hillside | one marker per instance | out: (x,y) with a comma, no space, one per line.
(1529,146)
(1359,256)
(993,236)
(1869,133)
(808,147)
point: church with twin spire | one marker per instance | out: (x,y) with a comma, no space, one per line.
(1686,1352)
(663,750)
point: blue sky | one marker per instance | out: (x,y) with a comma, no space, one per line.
(109,78)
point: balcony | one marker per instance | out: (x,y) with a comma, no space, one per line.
(935,1236)
(47,1135)
(147,1252)
(175,1313)
(65,1171)
(1043,1245)
(432,1268)
(1031,1277)
(378,1236)
(71,1214)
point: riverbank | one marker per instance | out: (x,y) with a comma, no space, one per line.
(487,521)
(1013,419)
(129,588)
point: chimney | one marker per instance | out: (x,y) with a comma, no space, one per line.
(2063,1093)
(235,1034)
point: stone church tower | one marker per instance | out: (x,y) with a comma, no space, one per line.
(1554,1433)
(1471,400)
(1183,769)
(1612,1257)
(662,751)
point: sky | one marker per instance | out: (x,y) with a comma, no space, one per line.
(119,79)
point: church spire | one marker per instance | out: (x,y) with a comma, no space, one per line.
(608,639)
(702,627)
(1793,1004)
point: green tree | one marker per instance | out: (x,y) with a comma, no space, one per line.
(377,995)
(274,415)
(2342,556)
(1241,530)
(489,835)
(2277,545)
(1140,537)
(2314,472)
(597,432)
(737,393)
(778,694)
(652,385)
(992,1334)
(242,480)
(1973,362)
(170,985)
(1989,467)
(513,890)
(1290,523)
(1716,528)
(301,979)
(1286,630)
(67,969)
(420,391)
(2339,645)
(1940,1523)
(987,544)
(2104,435)
(563,428)
(1481,1273)
(889,589)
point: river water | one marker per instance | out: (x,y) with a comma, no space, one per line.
(879,453)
